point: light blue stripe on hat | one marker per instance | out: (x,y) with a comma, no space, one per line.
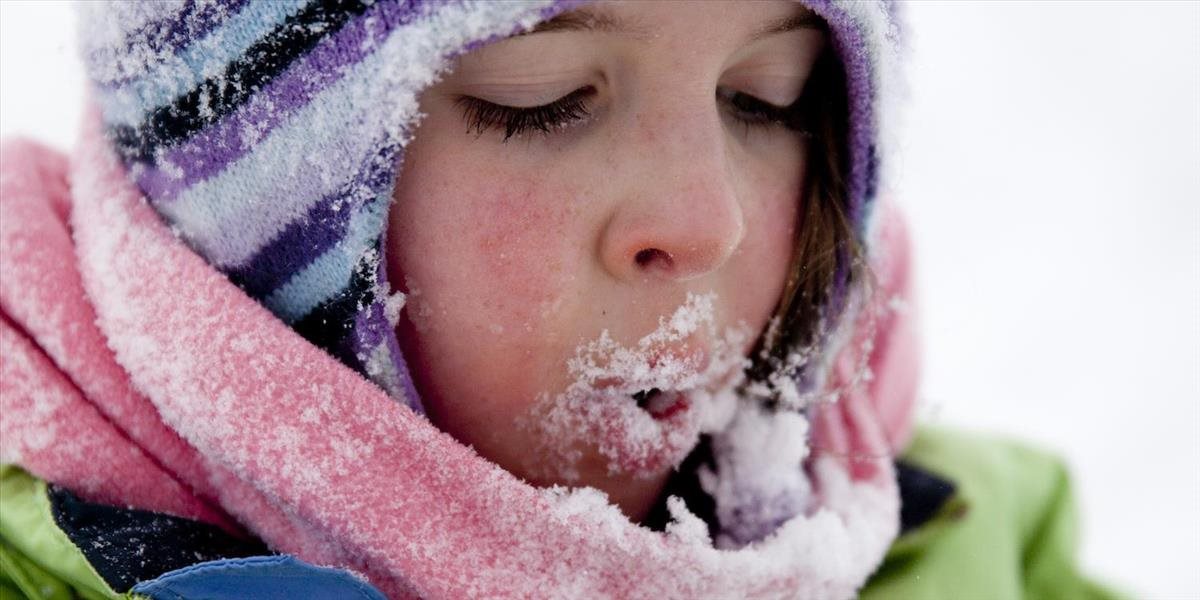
(229,217)
(331,272)
(203,58)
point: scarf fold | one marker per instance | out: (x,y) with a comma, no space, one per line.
(104,391)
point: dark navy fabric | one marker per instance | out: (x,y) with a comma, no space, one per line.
(685,484)
(126,545)
(922,495)
(261,577)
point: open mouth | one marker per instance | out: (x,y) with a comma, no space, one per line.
(661,404)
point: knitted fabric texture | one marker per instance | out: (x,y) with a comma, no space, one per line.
(269,136)
(104,392)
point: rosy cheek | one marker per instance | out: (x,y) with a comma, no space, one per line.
(523,244)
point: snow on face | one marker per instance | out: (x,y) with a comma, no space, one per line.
(518,253)
(643,407)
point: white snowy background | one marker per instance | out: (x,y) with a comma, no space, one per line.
(1051,172)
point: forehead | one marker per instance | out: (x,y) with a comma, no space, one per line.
(754,20)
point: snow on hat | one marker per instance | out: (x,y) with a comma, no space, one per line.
(269,134)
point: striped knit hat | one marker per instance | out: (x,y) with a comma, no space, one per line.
(268,134)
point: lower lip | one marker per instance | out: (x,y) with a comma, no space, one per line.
(671,407)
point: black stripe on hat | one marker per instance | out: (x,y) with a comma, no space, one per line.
(330,323)
(217,96)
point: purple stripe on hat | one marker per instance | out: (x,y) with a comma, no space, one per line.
(370,334)
(850,46)
(297,246)
(216,147)
(371,328)
(308,237)
(406,382)
(166,34)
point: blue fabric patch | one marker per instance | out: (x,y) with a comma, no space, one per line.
(282,577)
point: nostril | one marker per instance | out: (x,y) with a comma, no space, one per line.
(651,256)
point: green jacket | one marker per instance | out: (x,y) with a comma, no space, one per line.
(1008,529)
(1005,528)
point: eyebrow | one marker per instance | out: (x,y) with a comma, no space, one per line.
(804,20)
(603,22)
(589,20)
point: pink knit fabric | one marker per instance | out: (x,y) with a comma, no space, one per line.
(887,332)
(135,374)
(57,369)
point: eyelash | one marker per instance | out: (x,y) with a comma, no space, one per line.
(482,116)
(752,112)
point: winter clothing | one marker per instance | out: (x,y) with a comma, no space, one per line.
(71,404)
(230,194)
(265,430)
(1002,530)
(1007,529)
(269,134)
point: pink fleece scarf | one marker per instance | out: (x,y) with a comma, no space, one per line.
(135,374)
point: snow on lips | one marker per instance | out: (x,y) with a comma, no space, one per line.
(641,408)
(661,404)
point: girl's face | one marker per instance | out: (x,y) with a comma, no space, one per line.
(593,224)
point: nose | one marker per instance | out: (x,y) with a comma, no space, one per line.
(678,215)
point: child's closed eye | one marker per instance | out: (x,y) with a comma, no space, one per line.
(482,116)
(753,112)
